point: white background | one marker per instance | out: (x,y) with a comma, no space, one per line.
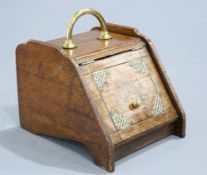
(179,32)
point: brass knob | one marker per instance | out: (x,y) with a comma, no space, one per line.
(136,103)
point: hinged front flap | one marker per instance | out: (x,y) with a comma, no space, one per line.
(128,93)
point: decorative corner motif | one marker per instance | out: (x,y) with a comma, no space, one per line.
(139,65)
(119,121)
(100,78)
(158,106)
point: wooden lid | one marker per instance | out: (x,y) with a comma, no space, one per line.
(89,47)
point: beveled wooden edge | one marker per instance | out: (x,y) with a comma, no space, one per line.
(181,125)
(120,29)
(110,147)
(144,140)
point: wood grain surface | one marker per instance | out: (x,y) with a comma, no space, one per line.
(87,93)
(129,76)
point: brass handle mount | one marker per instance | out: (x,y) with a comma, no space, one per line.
(104,34)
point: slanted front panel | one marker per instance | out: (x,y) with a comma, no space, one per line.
(128,93)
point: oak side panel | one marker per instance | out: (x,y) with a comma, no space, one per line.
(54,102)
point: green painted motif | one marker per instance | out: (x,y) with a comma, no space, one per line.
(119,121)
(158,106)
(100,78)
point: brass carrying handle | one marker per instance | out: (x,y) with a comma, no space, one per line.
(104,34)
